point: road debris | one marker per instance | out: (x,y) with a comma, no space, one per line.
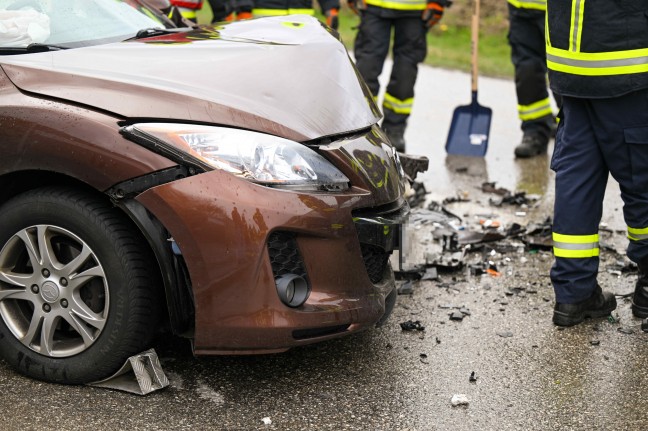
(459,400)
(412,326)
(472,378)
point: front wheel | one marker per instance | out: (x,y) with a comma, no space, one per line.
(77,293)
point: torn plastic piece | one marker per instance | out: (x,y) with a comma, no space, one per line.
(141,374)
(459,400)
(412,164)
(412,326)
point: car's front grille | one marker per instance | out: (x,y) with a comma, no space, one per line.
(375,260)
(285,257)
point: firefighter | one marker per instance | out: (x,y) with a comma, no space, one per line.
(596,56)
(330,9)
(188,8)
(410,20)
(230,10)
(527,39)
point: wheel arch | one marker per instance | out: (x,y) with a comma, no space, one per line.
(179,301)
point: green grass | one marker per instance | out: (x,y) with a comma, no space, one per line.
(448,43)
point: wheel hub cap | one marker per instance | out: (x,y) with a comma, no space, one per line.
(50,291)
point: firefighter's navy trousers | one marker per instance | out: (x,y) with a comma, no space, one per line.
(597,137)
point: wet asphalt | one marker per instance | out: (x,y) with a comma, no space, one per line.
(528,374)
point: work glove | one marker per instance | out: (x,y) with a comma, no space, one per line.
(332,18)
(432,14)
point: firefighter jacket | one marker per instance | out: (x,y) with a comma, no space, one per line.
(529,4)
(597,48)
(189,4)
(289,7)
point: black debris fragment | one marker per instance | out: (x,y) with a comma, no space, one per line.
(423,358)
(595,342)
(412,326)
(418,196)
(627,331)
(458,316)
(472,378)
(464,311)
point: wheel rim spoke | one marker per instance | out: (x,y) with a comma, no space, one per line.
(78,280)
(82,311)
(32,249)
(33,331)
(20,280)
(81,328)
(73,266)
(47,256)
(48,328)
(16,294)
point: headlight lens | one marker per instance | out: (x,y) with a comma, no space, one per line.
(259,157)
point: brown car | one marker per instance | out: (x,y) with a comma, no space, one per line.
(226,184)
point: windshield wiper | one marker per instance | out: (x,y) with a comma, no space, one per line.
(43,47)
(153,31)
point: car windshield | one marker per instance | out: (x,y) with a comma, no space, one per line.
(73,23)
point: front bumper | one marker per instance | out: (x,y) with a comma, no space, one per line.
(228,230)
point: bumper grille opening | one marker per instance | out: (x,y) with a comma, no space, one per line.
(375,260)
(285,257)
(302,334)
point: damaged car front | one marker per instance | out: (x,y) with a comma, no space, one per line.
(229,181)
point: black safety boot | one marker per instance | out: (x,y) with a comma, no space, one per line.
(640,297)
(396,137)
(600,304)
(532,144)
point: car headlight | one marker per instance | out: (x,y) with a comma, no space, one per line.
(258,157)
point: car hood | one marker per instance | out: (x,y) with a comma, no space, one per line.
(287,76)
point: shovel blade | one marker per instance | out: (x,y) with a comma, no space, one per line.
(469,130)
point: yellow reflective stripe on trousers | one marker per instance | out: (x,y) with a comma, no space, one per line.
(637,234)
(529,4)
(399,4)
(575,246)
(576,28)
(535,110)
(598,63)
(398,106)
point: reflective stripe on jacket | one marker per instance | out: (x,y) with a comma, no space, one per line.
(597,48)
(399,4)
(529,4)
(189,4)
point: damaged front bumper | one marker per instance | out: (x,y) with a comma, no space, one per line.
(237,238)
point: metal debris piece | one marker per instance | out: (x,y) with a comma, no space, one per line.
(412,326)
(459,400)
(141,374)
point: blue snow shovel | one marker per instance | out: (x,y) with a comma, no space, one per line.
(470,126)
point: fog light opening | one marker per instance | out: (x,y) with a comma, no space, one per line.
(292,289)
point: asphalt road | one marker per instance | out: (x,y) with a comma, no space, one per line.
(529,374)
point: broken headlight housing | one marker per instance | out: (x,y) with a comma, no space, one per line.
(258,157)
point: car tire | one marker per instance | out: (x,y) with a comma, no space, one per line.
(77,286)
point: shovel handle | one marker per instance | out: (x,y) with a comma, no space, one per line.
(474,44)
